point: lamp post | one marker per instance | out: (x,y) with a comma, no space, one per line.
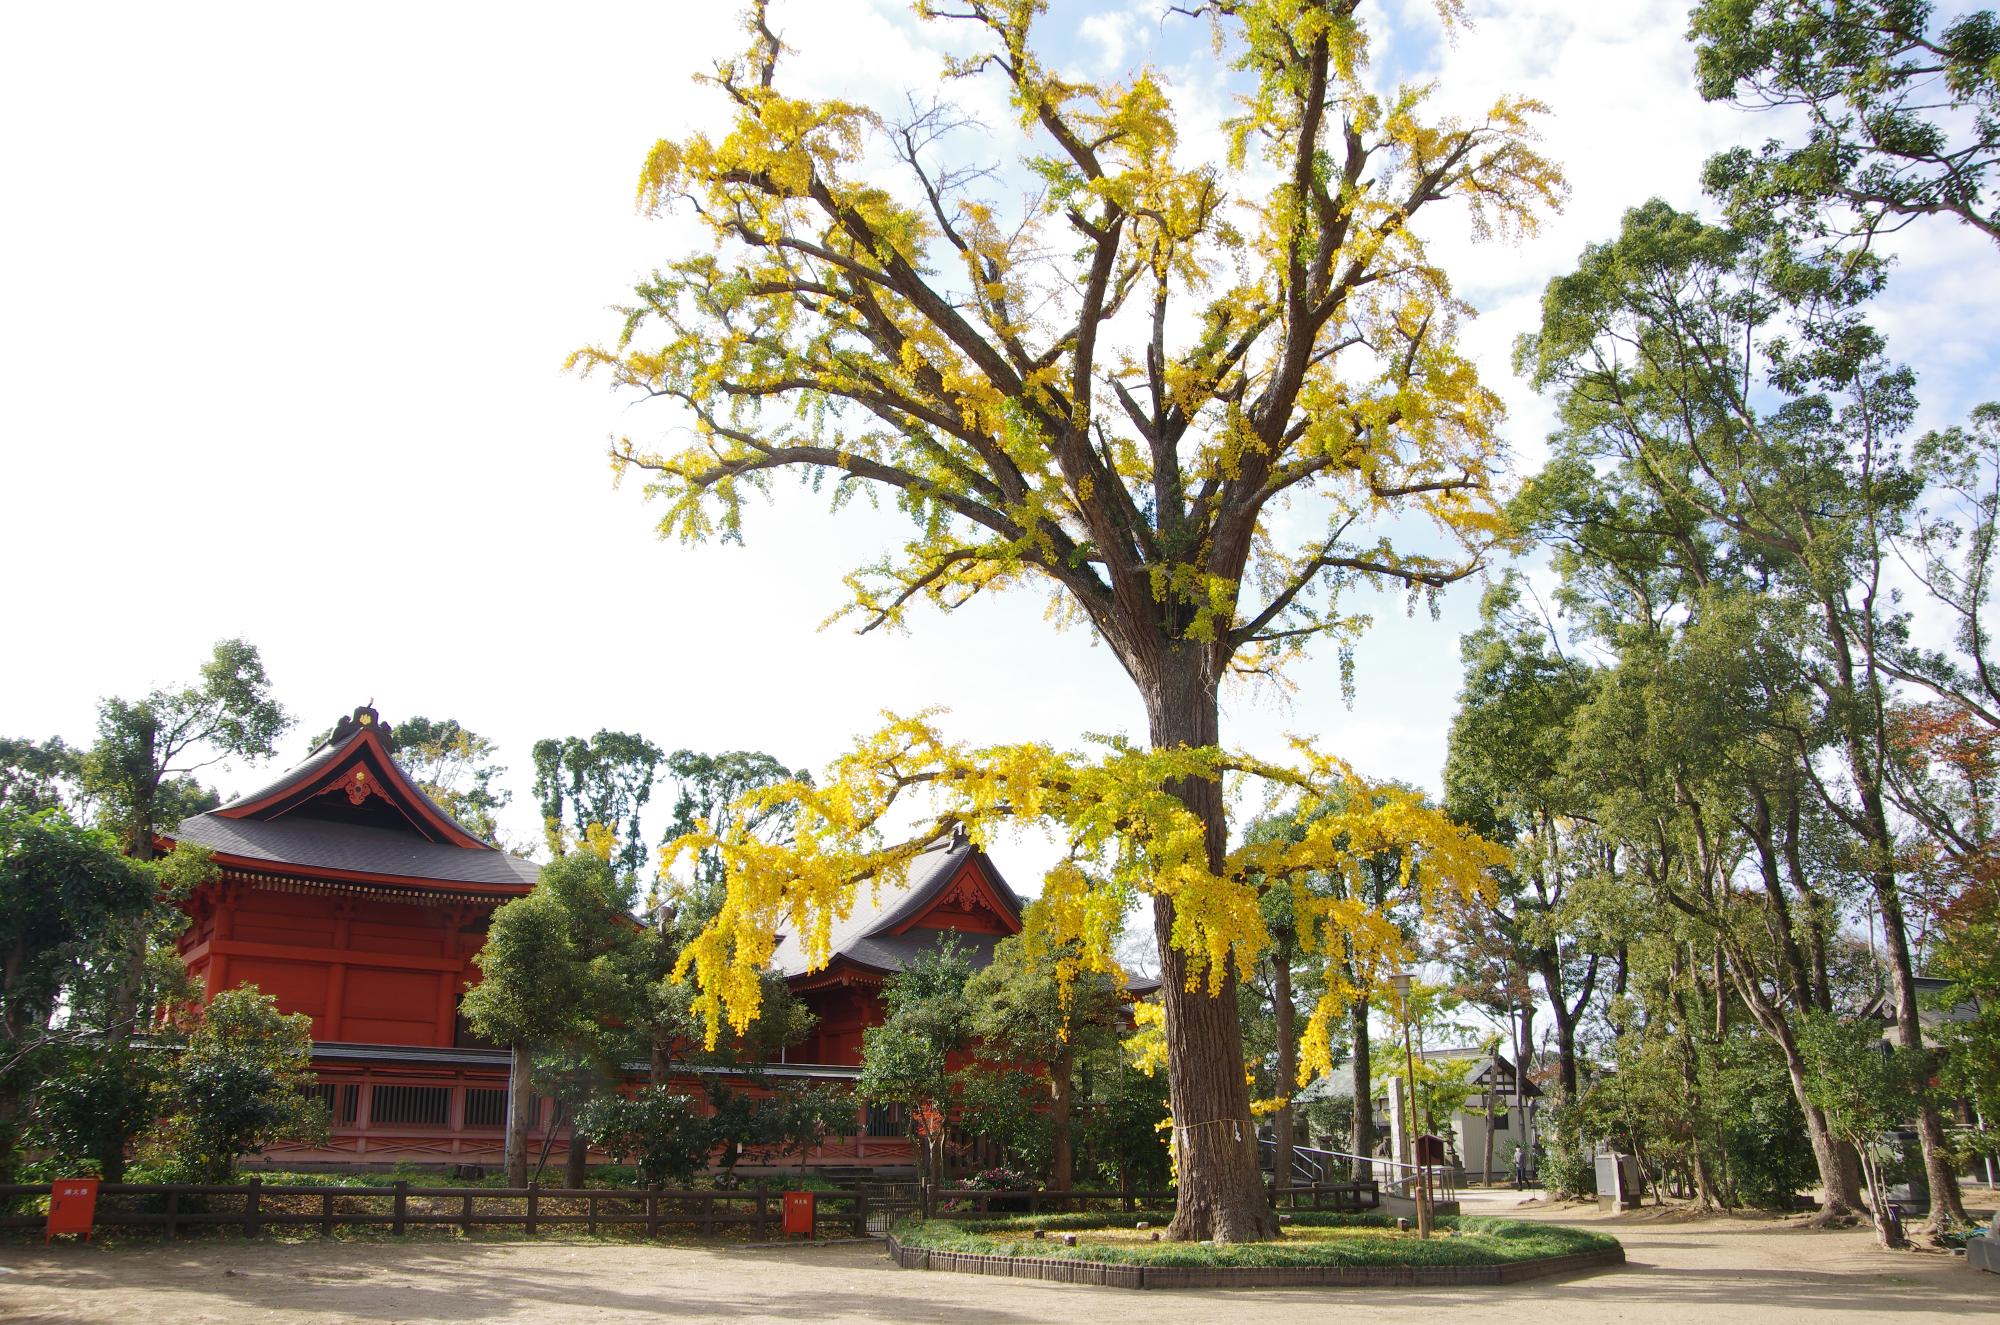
(1400,982)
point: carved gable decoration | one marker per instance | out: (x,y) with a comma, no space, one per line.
(353,777)
(969,902)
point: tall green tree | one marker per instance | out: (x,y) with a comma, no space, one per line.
(602,781)
(1731,421)
(710,789)
(1194,401)
(39,775)
(66,893)
(140,773)
(141,769)
(1902,112)
(457,768)
(1509,774)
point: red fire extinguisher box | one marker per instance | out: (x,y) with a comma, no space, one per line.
(800,1212)
(72,1207)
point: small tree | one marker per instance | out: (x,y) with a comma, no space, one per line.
(1866,1086)
(1023,1013)
(555,968)
(795,1119)
(664,1132)
(244,1080)
(907,1059)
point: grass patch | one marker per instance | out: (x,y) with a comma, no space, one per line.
(1311,1238)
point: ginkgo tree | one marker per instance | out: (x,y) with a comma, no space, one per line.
(1194,401)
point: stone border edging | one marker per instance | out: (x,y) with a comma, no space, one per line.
(1108,1275)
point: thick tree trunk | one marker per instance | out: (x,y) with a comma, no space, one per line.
(519,1101)
(1947,1203)
(1361,1127)
(1288,1065)
(1062,1162)
(1839,1195)
(1221,1196)
(1552,982)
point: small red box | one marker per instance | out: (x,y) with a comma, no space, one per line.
(72,1207)
(800,1213)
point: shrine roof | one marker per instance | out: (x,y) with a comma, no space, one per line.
(357,848)
(868,935)
(350,807)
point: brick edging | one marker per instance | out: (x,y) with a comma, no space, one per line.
(1106,1275)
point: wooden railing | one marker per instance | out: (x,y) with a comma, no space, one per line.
(254,1206)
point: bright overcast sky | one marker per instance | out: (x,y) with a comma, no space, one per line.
(285,292)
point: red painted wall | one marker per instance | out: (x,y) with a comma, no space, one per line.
(365,971)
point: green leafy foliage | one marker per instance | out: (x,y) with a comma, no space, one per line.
(244,1080)
(39,775)
(602,781)
(140,770)
(456,767)
(662,1131)
(1902,111)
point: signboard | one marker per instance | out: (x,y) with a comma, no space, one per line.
(72,1207)
(799,1213)
(1430,1149)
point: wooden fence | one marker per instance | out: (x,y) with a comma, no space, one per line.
(253,1206)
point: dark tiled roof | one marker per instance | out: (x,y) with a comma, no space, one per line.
(313,762)
(318,844)
(864,936)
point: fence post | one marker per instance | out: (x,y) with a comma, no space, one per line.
(173,1213)
(534,1203)
(590,1214)
(861,1214)
(465,1215)
(253,1213)
(326,1212)
(653,1213)
(708,1216)
(762,1214)
(398,1225)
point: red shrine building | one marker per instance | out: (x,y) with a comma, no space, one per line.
(349,895)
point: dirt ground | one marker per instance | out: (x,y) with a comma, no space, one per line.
(1711,1271)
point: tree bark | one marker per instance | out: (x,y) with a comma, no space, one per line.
(1062,1162)
(1361,1127)
(519,1102)
(1288,1064)
(1220,1196)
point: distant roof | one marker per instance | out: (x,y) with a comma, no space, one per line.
(350,807)
(1476,1063)
(867,936)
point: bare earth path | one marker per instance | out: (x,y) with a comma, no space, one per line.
(1713,1271)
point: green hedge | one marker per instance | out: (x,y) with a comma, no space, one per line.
(1373,1240)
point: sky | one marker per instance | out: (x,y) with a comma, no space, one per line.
(285,294)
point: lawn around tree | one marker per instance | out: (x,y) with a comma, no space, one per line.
(1308,1238)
